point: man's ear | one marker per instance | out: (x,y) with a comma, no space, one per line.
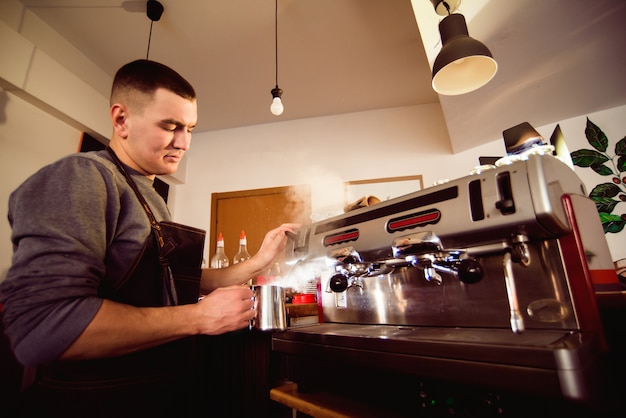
(118,118)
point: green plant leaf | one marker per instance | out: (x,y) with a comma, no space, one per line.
(621,164)
(596,137)
(609,217)
(620,147)
(603,194)
(604,190)
(613,227)
(604,204)
(612,223)
(587,158)
(602,170)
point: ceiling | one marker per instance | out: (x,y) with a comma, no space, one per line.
(557,59)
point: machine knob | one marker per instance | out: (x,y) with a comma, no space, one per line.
(470,271)
(338,283)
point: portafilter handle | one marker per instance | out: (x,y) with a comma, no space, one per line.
(338,283)
(468,271)
(424,250)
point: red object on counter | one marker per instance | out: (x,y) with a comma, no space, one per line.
(303,298)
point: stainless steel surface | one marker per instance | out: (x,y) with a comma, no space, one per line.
(269,302)
(436,257)
(465,280)
(403,296)
(463,212)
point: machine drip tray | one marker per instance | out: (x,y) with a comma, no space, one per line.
(549,349)
(540,362)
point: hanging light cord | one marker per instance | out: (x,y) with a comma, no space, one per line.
(447,6)
(276,37)
(149,38)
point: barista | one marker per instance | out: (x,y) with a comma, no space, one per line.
(92,299)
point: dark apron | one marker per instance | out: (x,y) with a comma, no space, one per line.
(157,382)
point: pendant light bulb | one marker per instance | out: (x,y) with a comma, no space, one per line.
(277,105)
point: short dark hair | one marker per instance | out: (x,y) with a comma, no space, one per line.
(147,77)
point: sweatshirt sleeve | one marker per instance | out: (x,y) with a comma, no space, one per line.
(59,237)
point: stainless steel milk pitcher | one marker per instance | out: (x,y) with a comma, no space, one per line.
(269,302)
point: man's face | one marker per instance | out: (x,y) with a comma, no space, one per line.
(159,135)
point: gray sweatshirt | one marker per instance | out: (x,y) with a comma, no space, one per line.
(74,223)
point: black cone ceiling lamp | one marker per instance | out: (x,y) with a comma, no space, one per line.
(277,105)
(154,11)
(463,64)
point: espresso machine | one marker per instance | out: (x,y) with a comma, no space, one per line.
(481,290)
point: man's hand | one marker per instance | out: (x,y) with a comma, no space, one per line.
(226,309)
(272,249)
(274,244)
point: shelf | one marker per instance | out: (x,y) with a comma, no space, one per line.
(324,405)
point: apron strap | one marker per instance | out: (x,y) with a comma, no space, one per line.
(169,289)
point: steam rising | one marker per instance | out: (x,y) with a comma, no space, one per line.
(326,192)
(325,195)
(302,276)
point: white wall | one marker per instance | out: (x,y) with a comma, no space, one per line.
(29,138)
(613,123)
